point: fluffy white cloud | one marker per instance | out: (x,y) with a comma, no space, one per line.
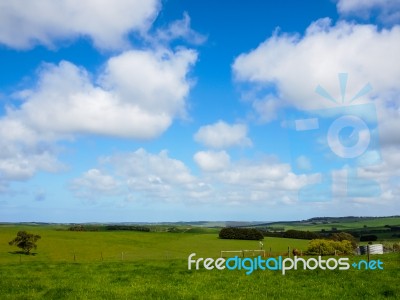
(26,23)
(152,168)
(288,68)
(297,65)
(223,135)
(22,162)
(94,183)
(387,11)
(157,177)
(138,95)
(211,161)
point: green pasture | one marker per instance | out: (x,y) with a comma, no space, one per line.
(375,223)
(62,246)
(154,266)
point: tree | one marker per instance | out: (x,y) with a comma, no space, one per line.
(235,233)
(25,241)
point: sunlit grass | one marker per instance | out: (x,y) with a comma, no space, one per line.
(155,267)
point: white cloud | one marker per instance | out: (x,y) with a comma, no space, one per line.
(157,177)
(24,24)
(179,29)
(289,68)
(387,10)
(223,135)
(211,161)
(154,177)
(138,95)
(152,168)
(297,65)
(94,183)
(20,160)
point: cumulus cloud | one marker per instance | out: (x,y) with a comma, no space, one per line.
(94,183)
(24,24)
(289,67)
(387,11)
(153,168)
(296,65)
(211,161)
(138,95)
(157,177)
(19,161)
(222,135)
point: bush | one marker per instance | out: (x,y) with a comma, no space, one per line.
(391,246)
(368,238)
(344,236)
(233,233)
(328,247)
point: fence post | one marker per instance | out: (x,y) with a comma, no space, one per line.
(288,251)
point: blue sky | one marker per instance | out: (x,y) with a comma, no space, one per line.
(198,110)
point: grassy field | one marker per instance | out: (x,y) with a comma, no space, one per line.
(154,266)
(342,225)
(62,246)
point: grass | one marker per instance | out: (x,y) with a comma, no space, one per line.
(155,267)
(170,279)
(356,224)
(62,246)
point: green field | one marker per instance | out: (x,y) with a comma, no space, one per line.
(153,265)
(62,246)
(340,225)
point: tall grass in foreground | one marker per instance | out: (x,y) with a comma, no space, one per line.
(170,279)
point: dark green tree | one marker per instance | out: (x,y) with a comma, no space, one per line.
(26,241)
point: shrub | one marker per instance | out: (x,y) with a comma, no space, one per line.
(344,236)
(391,246)
(240,234)
(328,247)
